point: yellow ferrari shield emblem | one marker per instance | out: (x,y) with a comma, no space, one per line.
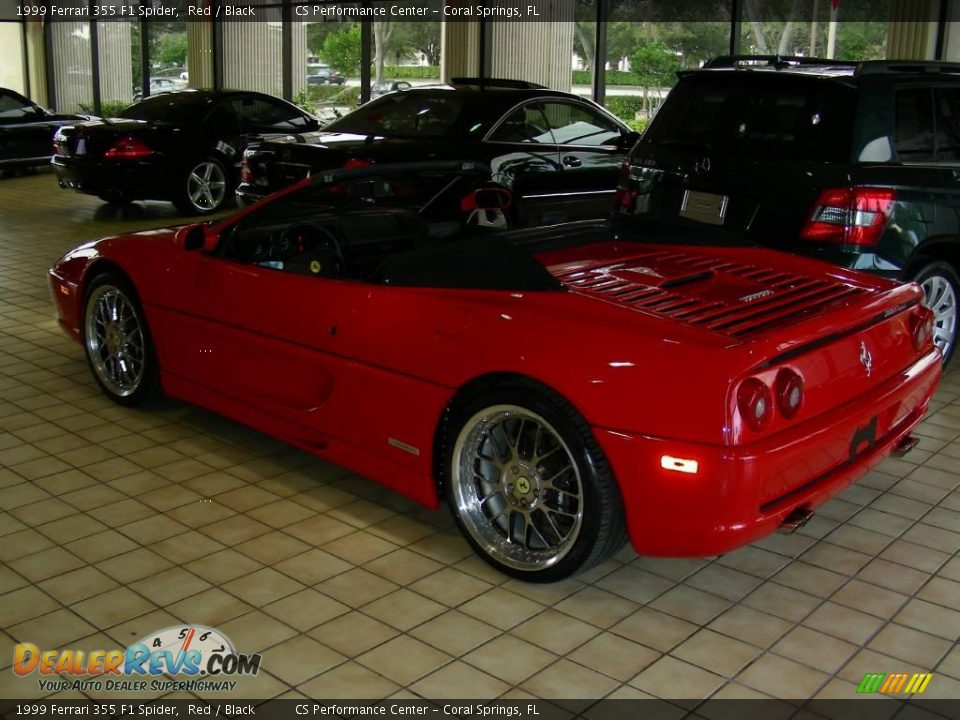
(315,266)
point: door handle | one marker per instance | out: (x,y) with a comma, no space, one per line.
(571,161)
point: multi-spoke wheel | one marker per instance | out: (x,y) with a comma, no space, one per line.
(530,487)
(117,341)
(941,290)
(206,187)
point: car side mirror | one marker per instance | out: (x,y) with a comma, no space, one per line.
(630,139)
(191,238)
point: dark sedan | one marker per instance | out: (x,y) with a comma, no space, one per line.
(184,147)
(26,130)
(552,156)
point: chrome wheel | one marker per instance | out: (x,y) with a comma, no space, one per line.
(206,186)
(939,295)
(114,340)
(517,488)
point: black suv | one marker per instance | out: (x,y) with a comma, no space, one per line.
(854,163)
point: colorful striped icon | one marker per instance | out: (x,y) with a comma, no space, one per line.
(893,683)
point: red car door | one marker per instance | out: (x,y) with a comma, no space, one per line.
(274,340)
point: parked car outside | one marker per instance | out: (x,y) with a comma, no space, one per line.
(184,147)
(26,130)
(553,155)
(387,86)
(561,388)
(323,75)
(853,163)
(162,85)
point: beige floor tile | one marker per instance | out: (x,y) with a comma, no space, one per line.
(403,566)
(555,631)
(723,581)
(401,530)
(168,586)
(23,543)
(142,485)
(9,580)
(212,607)
(359,547)
(353,633)
(444,547)
(306,609)
(893,576)
(917,648)
(715,652)
(121,512)
(141,627)
(356,587)
(153,529)
(313,566)
(504,609)
(566,680)
(403,609)
(349,681)
(403,660)
(691,604)
(236,529)
(810,579)
(46,564)
(634,584)
(868,661)
(828,556)
(782,678)
(201,513)
(815,649)
(112,607)
(71,528)
(300,658)
(669,677)
(101,546)
(319,529)
(183,548)
(454,633)
(870,598)
(272,547)
(915,556)
(844,623)
(78,585)
(941,591)
(67,481)
(654,629)
(510,659)
(54,630)
(930,618)
(281,513)
(450,587)
(458,680)
(752,626)
(134,565)
(42,512)
(859,539)
(784,602)
(246,498)
(223,566)
(256,631)
(614,656)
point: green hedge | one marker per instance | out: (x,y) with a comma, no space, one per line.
(613,77)
(624,106)
(411,72)
(108,108)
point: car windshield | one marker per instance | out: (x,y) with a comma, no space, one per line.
(405,115)
(168,107)
(775,118)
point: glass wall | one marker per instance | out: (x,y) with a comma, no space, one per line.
(326,69)
(253,51)
(11,69)
(119,53)
(72,64)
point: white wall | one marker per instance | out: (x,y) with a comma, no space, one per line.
(11,66)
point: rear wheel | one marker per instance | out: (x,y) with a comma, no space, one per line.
(118,343)
(941,291)
(530,487)
(204,188)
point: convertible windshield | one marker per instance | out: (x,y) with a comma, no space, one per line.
(404,114)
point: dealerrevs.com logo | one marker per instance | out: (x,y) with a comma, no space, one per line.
(201,653)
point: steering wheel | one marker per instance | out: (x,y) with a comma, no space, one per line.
(316,248)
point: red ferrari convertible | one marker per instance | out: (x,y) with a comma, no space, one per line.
(562,388)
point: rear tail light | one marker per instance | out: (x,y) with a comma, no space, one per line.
(755,403)
(624,197)
(788,388)
(245,173)
(921,327)
(355,163)
(854,216)
(128,148)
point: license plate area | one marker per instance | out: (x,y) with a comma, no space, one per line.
(704,207)
(287,173)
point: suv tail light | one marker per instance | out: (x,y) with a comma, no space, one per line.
(921,327)
(246,175)
(624,197)
(128,148)
(854,216)
(755,403)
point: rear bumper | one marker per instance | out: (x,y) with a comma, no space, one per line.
(137,180)
(741,494)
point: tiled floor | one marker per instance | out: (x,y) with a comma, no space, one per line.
(117,522)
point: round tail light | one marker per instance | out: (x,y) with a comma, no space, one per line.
(789,391)
(755,403)
(921,327)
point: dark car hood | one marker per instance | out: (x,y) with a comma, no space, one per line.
(333,149)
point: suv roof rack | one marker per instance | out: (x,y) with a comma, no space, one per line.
(497,83)
(779,62)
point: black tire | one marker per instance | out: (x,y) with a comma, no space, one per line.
(601,529)
(208,172)
(124,347)
(941,286)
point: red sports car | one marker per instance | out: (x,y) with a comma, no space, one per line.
(562,388)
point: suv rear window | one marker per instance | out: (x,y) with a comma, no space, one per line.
(757,117)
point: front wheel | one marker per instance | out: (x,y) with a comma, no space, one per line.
(204,188)
(530,487)
(118,343)
(941,290)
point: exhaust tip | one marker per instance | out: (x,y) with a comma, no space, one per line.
(905,445)
(797,518)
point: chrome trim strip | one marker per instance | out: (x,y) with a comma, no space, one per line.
(579,192)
